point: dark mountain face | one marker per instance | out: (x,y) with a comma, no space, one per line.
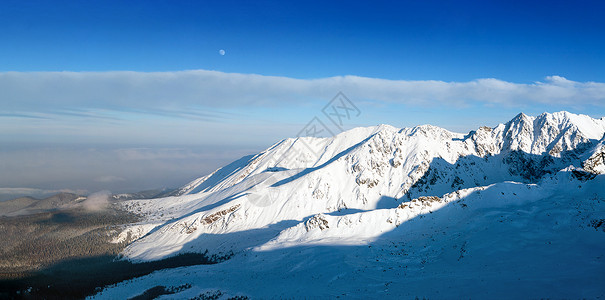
(30,205)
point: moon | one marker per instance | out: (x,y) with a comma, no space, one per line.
(221,52)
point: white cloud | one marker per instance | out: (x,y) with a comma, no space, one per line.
(97,201)
(173,93)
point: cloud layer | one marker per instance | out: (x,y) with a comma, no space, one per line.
(28,93)
(82,169)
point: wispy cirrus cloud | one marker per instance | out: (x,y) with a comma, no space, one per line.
(176,93)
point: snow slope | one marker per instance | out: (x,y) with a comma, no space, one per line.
(502,211)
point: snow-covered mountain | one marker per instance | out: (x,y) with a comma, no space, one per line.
(390,211)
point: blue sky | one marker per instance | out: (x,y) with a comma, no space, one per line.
(83,82)
(520,41)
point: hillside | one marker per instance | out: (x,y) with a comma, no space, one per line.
(29,205)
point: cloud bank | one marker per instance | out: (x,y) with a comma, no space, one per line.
(24,93)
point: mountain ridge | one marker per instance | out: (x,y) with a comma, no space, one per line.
(361,168)
(562,144)
(381,185)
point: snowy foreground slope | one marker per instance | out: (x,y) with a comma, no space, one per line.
(513,210)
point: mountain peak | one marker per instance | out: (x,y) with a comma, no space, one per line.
(589,127)
(521,118)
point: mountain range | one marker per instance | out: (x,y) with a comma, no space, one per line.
(515,210)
